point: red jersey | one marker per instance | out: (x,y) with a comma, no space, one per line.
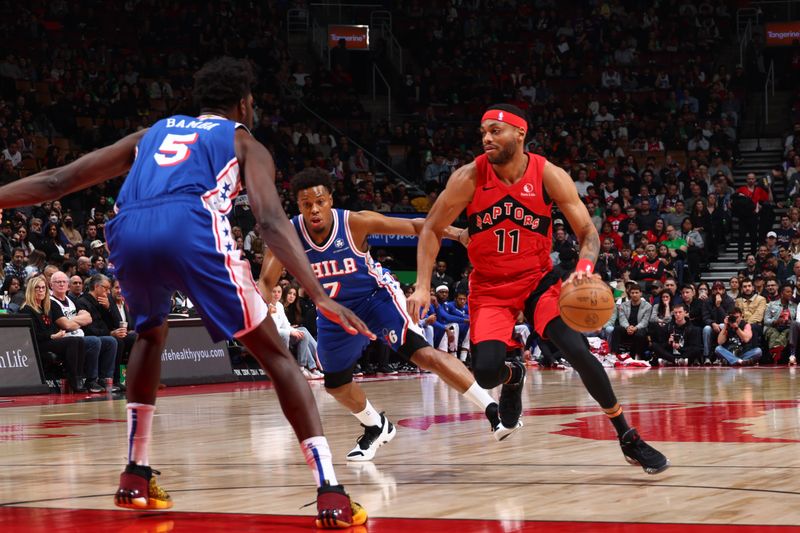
(757,195)
(510,225)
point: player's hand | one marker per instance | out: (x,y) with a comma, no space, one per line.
(417,304)
(464,238)
(344,317)
(296,333)
(579,276)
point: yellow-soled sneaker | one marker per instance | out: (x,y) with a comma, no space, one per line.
(138,490)
(335,509)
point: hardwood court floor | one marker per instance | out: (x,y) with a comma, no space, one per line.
(231,462)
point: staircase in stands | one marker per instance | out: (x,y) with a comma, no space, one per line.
(761,161)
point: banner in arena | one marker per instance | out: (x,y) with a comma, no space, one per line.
(356,36)
(382,241)
(190,357)
(20,371)
(782,33)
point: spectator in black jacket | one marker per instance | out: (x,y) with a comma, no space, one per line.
(607,261)
(693,306)
(683,340)
(715,309)
(96,300)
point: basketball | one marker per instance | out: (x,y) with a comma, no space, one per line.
(586,305)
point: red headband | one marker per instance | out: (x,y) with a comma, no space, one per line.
(506,116)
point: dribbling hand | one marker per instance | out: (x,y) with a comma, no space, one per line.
(579,276)
(417,304)
(344,317)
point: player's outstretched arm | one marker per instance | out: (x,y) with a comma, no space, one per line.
(561,188)
(279,234)
(91,169)
(455,197)
(363,223)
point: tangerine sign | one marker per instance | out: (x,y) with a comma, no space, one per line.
(356,37)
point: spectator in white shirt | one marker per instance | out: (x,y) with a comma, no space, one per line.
(299,340)
(13,154)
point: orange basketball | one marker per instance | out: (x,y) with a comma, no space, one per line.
(586,305)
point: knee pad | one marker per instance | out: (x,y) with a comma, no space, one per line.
(488,363)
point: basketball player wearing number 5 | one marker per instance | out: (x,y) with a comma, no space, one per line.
(508,194)
(184,173)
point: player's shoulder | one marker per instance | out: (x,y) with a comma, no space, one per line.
(464,174)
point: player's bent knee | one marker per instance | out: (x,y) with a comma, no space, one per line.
(488,363)
(428,358)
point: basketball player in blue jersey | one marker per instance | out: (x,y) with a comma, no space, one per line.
(184,173)
(335,241)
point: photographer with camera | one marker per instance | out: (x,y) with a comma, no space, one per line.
(715,309)
(735,341)
(684,344)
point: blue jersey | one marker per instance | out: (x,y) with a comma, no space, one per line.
(183,155)
(176,197)
(353,279)
(348,274)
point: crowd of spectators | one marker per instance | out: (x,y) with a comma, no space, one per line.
(627,98)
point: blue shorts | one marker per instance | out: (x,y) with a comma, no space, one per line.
(176,243)
(385,315)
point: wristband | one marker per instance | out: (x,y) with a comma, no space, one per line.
(584,265)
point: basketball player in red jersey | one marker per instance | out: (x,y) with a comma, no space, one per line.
(509,195)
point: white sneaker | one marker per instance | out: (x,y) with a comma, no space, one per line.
(792,360)
(373,438)
(316,374)
(707,361)
(306,373)
(499,431)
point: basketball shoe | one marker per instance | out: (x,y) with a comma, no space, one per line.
(373,438)
(510,408)
(335,509)
(138,489)
(638,452)
(499,431)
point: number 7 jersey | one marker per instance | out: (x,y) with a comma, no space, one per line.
(510,226)
(347,274)
(183,155)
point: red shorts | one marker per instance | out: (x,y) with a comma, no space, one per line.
(494,309)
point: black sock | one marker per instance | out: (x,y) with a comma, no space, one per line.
(620,424)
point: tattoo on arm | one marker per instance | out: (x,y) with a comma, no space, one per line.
(590,245)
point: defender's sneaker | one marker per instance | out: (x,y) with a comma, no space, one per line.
(373,438)
(138,489)
(335,509)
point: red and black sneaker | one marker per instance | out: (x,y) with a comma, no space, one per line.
(335,509)
(138,489)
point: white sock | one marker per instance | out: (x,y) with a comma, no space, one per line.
(479,396)
(319,459)
(369,416)
(140,421)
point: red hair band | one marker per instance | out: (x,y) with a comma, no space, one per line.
(506,116)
